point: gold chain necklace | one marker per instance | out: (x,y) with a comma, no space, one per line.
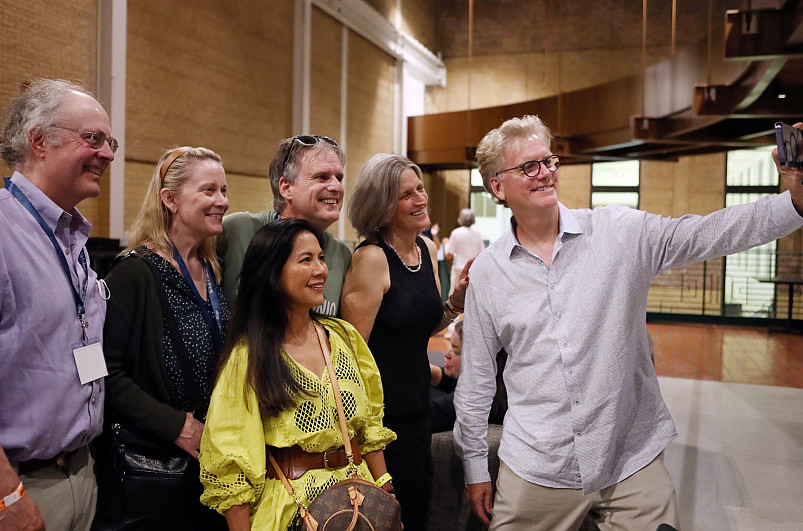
(415,269)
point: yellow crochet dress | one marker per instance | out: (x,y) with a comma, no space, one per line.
(233,457)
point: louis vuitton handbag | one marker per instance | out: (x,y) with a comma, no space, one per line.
(349,505)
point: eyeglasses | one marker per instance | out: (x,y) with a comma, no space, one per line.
(94,138)
(307,140)
(531,168)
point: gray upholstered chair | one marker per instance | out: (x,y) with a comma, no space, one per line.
(450,510)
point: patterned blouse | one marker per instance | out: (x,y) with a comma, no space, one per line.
(194,332)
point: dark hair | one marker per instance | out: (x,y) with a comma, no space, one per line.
(259,315)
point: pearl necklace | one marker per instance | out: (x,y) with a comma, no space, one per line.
(415,269)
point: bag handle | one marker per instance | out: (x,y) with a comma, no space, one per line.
(310,522)
(341,415)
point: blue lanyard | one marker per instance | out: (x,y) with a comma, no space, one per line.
(80,309)
(213,323)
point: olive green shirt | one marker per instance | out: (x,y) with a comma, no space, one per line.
(240,227)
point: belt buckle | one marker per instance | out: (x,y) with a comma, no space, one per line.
(326,458)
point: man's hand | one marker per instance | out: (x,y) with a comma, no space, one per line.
(22,516)
(792,178)
(479,496)
(189,439)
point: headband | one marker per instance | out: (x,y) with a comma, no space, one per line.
(176,153)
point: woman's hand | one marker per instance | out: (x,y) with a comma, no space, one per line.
(189,439)
(458,297)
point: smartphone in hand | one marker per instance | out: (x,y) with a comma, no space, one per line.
(790,145)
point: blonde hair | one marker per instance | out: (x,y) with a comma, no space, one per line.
(155,219)
(375,196)
(491,149)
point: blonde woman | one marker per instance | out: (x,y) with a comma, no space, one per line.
(164,332)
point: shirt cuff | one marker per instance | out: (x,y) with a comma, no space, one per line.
(476,471)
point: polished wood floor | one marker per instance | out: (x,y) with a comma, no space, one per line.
(719,353)
(728,354)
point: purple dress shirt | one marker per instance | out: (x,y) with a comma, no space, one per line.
(44,409)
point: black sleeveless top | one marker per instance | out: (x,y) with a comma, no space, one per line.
(410,311)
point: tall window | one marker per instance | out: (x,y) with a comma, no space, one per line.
(615,183)
(491,220)
(750,175)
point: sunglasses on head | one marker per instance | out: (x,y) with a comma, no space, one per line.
(306,140)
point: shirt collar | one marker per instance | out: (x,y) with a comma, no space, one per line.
(568,224)
(50,211)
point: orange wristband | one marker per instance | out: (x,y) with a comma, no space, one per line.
(12,498)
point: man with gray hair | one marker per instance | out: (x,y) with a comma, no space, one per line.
(306,177)
(564,292)
(52,308)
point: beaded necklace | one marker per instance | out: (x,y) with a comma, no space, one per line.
(414,269)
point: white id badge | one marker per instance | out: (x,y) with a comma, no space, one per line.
(90,362)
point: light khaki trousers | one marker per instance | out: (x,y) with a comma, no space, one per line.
(66,498)
(643,501)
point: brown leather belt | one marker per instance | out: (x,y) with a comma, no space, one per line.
(294,461)
(60,461)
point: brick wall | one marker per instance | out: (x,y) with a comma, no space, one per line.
(57,39)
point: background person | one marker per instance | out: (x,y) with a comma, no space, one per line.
(444,381)
(306,177)
(392,297)
(463,244)
(161,363)
(564,292)
(270,390)
(58,142)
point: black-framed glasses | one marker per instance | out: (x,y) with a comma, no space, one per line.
(307,140)
(531,168)
(95,139)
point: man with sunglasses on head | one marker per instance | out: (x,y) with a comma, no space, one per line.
(564,292)
(57,139)
(306,177)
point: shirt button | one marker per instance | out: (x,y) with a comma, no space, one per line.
(576,402)
(565,344)
(552,288)
(571,372)
(579,434)
(578,474)
(560,315)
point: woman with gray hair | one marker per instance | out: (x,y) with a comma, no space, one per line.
(464,243)
(392,297)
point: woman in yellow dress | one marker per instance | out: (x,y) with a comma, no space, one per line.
(273,389)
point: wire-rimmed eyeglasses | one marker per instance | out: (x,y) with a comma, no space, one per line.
(95,139)
(531,168)
(307,140)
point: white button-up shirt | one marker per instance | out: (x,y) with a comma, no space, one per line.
(585,410)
